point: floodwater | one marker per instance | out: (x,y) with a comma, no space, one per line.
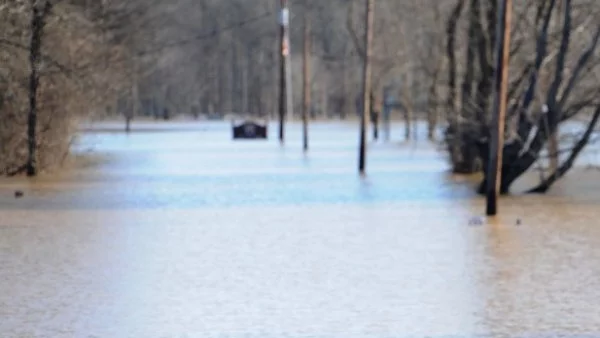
(177,231)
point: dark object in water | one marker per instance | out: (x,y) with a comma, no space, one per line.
(249,130)
(518,221)
(19,194)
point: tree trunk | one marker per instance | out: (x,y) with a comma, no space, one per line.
(408,112)
(451,55)
(221,88)
(346,92)
(134,99)
(432,111)
(454,132)
(579,146)
(467,107)
(324,96)
(306,82)
(128,122)
(374,112)
(485,49)
(38,18)
(553,151)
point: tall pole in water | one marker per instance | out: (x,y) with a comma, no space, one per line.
(306,80)
(494,170)
(284,78)
(366,85)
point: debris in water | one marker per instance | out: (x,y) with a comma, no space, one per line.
(19,194)
(476,221)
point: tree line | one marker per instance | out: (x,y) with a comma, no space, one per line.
(66,60)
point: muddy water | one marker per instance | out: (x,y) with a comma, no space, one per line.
(179,232)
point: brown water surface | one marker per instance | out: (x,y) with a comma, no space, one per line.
(183,233)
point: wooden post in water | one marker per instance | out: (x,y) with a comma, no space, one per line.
(283,67)
(306,81)
(366,85)
(494,170)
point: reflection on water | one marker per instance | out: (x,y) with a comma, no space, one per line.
(184,233)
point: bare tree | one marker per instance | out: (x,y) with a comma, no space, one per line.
(540,50)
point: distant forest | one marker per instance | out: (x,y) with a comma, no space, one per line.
(64,60)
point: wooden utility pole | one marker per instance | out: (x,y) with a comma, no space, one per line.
(494,170)
(306,81)
(284,79)
(366,85)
